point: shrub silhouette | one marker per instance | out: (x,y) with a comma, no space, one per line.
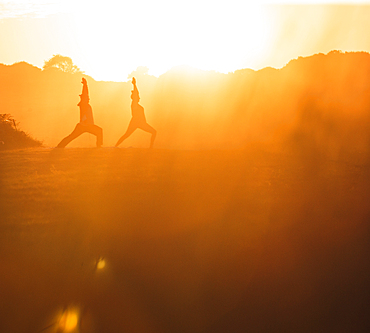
(11,137)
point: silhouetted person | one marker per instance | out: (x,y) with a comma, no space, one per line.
(138,118)
(86,123)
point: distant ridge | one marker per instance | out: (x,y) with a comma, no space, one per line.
(324,97)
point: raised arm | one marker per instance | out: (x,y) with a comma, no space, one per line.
(135,93)
(85,91)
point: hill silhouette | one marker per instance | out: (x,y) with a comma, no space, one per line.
(318,103)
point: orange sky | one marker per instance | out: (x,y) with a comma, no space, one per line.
(110,39)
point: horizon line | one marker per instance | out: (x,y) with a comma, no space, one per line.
(195,68)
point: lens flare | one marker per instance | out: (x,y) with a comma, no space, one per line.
(100,263)
(69,320)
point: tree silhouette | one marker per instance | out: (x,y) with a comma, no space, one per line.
(62,63)
(140,71)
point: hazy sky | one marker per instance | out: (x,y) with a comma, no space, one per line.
(110,39)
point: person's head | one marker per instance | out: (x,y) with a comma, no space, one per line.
(83,81)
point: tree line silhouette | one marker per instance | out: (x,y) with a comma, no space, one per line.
(317,103)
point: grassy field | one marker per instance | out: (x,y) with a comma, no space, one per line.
(190,241)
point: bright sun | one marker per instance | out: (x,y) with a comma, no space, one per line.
(108,40)
(212,36)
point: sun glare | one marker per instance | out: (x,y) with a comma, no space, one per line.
(204,35)
(110,40)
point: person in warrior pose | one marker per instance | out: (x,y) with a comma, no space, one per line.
(86,123)
(138,118)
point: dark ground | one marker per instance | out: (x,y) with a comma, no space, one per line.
(193,241)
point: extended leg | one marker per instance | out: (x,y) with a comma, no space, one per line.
(130,129)
(76,133)
(147,128)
